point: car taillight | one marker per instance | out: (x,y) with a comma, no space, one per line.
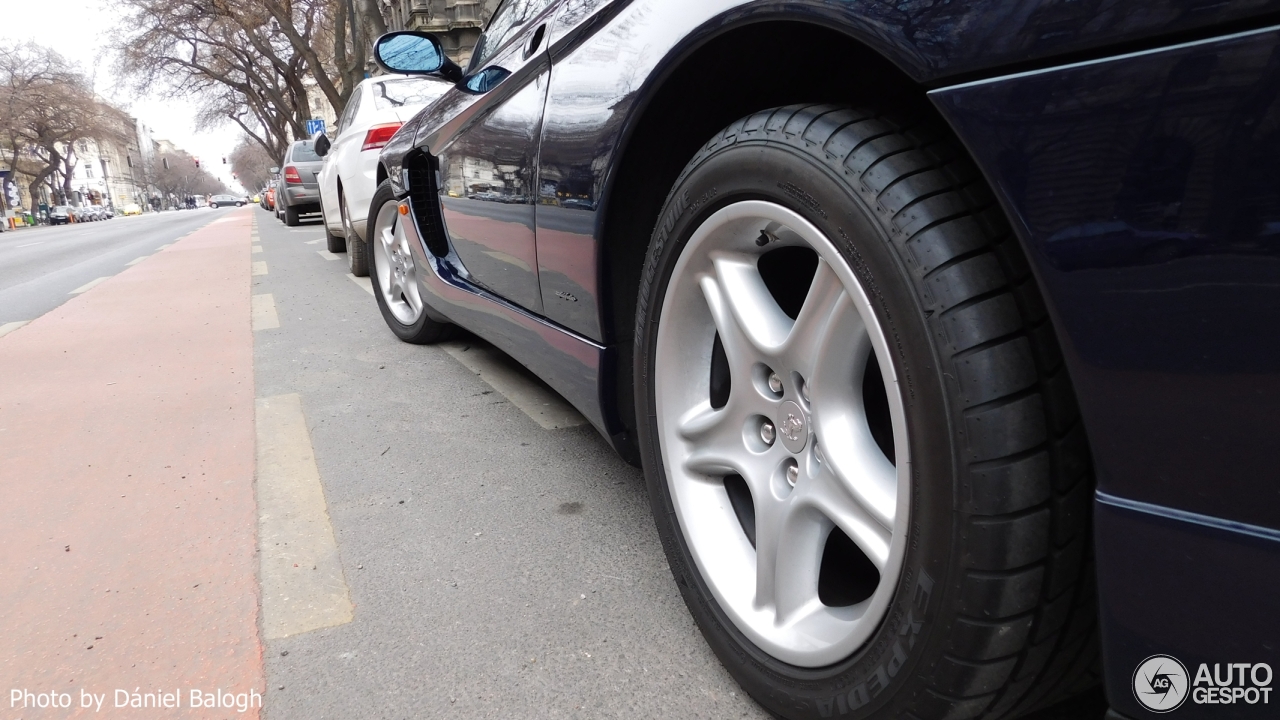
(379,135)
(291,176)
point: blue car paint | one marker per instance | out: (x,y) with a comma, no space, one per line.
(1144,189)
(1132,146)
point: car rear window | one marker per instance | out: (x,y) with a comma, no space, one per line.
(389,94)
(304,151)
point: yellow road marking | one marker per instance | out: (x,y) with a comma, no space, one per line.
(303,585)
(263,312)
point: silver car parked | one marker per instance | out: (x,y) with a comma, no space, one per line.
(297,189)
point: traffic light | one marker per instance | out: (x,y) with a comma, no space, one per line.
(224,161)
(197,162)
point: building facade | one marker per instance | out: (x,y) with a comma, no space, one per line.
(457,23)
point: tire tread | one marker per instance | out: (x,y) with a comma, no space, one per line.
(1027,473)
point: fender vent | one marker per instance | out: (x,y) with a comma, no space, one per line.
(425,198)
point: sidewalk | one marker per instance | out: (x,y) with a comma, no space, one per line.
(127,512)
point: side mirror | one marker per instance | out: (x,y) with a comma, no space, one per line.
(414,53)
(320,143)
(274,171)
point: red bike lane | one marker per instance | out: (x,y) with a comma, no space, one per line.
(127,514)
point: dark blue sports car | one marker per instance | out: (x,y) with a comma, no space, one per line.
(945,332)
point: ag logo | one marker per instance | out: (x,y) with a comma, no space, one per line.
(1160,683)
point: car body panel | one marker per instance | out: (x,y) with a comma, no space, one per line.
(486,146)
(1132,145)
(1143,189)
(569,363)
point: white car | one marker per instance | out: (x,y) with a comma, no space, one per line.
(377,108)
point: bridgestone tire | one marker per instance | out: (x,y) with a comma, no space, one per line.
(993,614)
(425,330)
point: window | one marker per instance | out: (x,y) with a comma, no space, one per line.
(349,112)
(88,172)
(506,23)
(303,151)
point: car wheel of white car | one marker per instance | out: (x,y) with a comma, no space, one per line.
(357,249)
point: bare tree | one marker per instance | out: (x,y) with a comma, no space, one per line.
(251,164)
(177,177)
(46,106)
(246,60)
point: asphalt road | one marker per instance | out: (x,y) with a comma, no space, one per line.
(496,568)
(40,267)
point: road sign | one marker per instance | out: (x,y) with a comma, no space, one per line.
(315,126)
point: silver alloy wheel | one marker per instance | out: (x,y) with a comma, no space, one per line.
(824,470)
(397,273)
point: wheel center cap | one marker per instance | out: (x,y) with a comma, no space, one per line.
(793,426)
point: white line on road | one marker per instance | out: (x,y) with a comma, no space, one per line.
(9,327)
(88,286)
(256,248)
(363,282)
(326,255)
(167,244)
(260,267)
(31,244)
(135,261)
(516,384)
(313,242)
(263,312)
(303,586)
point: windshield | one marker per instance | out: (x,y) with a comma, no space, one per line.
(304,151)
(389,94)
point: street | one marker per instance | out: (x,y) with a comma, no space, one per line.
(40,268)
(480,550)
(496,567)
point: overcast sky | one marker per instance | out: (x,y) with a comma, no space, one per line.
(79,30)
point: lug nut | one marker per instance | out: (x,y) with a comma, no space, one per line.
(775,382)
(768,432)
(793,474)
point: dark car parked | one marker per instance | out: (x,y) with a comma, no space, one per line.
(59,215)
(218,201)
(297,188)
(945,333)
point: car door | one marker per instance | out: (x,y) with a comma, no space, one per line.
(488,166)
(341,145)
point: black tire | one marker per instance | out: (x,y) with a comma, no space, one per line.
(426,330)
(357,250)
(994,613)
(290,216)
(335,243)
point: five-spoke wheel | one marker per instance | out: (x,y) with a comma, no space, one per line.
(779,430)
